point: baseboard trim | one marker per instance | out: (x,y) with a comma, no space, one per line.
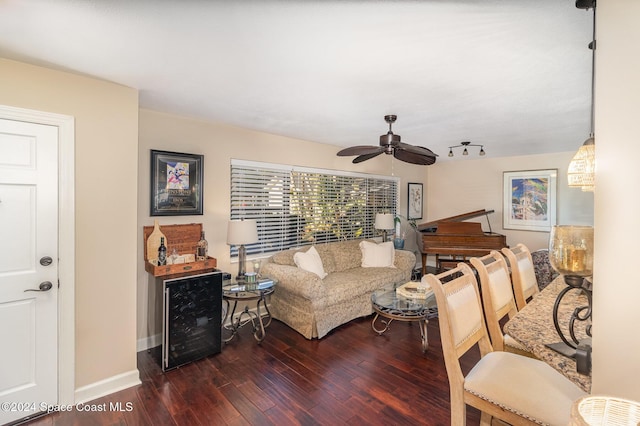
(107,386)
(149,342)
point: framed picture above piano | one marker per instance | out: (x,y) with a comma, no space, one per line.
(530,200)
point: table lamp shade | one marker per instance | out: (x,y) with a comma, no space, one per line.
(243,231)
(384,221)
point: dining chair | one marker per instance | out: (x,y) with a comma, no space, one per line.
(502,385)
(523,276)
(497,300)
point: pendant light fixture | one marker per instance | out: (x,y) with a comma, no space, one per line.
(582,168)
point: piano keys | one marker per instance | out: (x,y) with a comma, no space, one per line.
(451,240)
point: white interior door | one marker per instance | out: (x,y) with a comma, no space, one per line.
(28,268)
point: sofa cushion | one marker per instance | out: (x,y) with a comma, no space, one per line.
(336,256)
(285,257)
(344,285)
(344,255)
(310,261)
(377,255)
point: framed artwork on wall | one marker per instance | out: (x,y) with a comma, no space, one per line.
(529,199)
(176,183)
(414,201)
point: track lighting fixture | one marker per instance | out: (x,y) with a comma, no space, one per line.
(465,151)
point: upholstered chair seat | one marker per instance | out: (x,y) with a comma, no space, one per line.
(498,378)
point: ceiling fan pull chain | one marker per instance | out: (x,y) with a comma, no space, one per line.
(393,163)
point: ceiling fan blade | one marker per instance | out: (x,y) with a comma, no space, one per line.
(420,150)
(365,157)
(410,157)
(360,150)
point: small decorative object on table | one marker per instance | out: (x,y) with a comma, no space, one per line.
(202,248)
(415,290)
(398,243)
(257,263)
(162,253)
(174,256)
(571,254)
(153,241)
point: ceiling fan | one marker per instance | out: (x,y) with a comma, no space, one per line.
(390,144)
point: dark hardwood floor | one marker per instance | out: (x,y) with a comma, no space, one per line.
(352,376)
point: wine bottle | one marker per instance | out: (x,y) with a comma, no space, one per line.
(202,248)
(162,253)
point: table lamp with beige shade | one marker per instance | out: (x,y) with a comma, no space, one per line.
(239,233)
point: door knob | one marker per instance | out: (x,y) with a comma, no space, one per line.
(44,286)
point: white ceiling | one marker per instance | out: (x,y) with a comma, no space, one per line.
(513,75)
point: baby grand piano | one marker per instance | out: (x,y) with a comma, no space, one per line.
(451,240)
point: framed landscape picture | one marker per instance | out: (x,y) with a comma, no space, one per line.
(176,183)
(414,201)
(530,200)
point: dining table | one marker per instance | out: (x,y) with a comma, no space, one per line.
(534,328)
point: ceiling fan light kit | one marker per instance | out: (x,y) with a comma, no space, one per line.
(465,151)
(391,144)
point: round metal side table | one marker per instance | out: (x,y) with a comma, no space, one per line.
(390,306)
(238,292)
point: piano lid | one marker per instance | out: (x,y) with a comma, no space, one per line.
(433,225)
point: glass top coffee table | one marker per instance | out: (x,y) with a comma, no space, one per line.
(243,292)
(413,304)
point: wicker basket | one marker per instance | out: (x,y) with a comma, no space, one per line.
(605,410)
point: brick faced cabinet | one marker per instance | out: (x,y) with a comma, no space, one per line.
(192,315)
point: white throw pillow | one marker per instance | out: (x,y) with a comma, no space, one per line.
(377,255)
(310,261)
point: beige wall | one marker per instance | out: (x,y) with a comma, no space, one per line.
(220,143)
(616,281)
(106,163)
(467,185)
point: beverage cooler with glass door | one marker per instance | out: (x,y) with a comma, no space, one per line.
(192,315)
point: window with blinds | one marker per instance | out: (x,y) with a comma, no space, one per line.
(297,206)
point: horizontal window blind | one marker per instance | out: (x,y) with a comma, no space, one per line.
(297,206)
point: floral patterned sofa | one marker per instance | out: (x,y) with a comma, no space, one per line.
(313,306)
